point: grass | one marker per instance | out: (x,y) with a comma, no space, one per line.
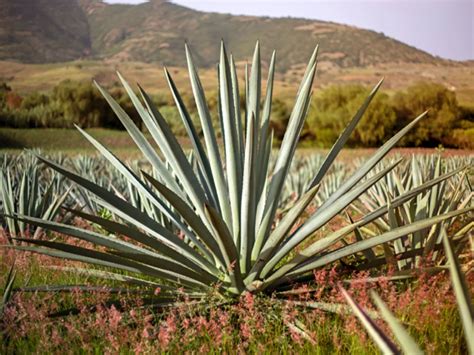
(67,140)
(252,324)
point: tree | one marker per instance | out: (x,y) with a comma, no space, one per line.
(443,112)
(332,110)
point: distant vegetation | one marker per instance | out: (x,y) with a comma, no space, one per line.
(448,124)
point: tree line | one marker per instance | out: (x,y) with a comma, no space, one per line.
(447,123)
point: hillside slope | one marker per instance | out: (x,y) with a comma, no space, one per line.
(156,31)
(41,31)
(59,30)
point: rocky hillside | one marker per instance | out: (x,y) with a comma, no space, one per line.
(39,31)
(42,31)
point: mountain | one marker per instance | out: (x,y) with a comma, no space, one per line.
(41,31)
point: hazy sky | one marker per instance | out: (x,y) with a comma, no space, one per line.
(441,27)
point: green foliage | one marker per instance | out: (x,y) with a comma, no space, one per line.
(279,118)
(442,117)
(78,103)
(70,103)
(332,109)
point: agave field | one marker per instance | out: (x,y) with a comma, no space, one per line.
(236,245)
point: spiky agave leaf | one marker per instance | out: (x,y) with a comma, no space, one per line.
(463,297)
(225,201)
(8,288)
(382,340)
(408,345)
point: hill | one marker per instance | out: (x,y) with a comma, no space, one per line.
(42,31)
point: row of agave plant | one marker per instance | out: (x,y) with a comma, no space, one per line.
(235,216)
(27,188)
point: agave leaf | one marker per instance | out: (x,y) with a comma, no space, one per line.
(285,156)
(7,291)
(238,118)
(279,233)
(408,345)
(370,163)
(192,134)
(210,140)
(228,248)
(314,224)
(83,234)
(189,216)
(170,266)
(138,138)
(132,179)
(404,256)
(73,256)
(170,146)
(90,256)
(8,203)
(133,215)
(107,275)
(135,234)
(312,61)
(464,299)
(370,243)
(82,288)
(232,149)
(368,253)
(398,245)
(254,93)
(299,328)
(382,341)
(330,307)
(262,161)
(247,218)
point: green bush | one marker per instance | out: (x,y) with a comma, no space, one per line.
(279,118)
(332,110)
(73,102)
(443,113)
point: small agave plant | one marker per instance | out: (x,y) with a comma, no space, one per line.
(408,252)
(224,200)
(23,192)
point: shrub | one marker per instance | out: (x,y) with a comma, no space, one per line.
(442,116)
(332,110)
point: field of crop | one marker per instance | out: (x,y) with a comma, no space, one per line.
(315,314)
(223,242)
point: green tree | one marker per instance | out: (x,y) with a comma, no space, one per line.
(80,104)
(280,116)
(334,107)
(443,108)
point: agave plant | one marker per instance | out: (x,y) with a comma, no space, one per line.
(23,192)
(408,345)
(447,196)
(223,202)
(303,169)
